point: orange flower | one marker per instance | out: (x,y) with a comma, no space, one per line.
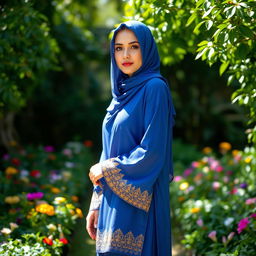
(195,210)
(235,152)
(11,171)
(79,213)
(181,198)
(224,146)
(48,241)
(12,199)
(207,150)
(75,198)
(46,209)
(55,190)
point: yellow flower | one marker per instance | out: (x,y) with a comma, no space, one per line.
(184,185)
(55,190)
(225,146)
(51,227)
(11,171)
(75,198)
(70,206)
(13,226)
(195,210)
(248,159)
(79,213)
(46,209)
(12,199)
(59,200)
(207,150)
(72,212)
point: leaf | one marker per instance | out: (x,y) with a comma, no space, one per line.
(191,19)
(196,29)
(204,42)
(201,53)
(200,2)
(208,12)
(208,24)
(231,12)
(246,31)
(211,53)
(223,67)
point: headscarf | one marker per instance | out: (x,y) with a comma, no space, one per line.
(149,69)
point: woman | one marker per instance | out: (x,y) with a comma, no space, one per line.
(130,211)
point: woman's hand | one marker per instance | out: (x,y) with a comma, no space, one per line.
(91,223)
(96,174)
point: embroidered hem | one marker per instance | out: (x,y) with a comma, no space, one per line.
(127,192)
(117,241)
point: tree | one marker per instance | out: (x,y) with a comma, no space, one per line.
(216,31)
(27,51)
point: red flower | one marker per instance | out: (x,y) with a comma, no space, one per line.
(15,161)
(88,143)
(48,241)
(64,240)
(35,173)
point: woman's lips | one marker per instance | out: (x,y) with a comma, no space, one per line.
(127,64)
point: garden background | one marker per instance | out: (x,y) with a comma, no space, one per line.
(54,90)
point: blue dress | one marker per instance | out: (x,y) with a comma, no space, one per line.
(136,161)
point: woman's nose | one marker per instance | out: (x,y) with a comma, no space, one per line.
(126,53)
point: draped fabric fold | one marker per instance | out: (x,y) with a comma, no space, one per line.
(136,160)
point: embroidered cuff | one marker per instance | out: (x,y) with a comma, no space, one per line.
(95,201)
(120,186)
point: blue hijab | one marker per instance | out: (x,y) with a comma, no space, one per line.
(125,87)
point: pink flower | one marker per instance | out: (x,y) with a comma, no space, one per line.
(187,172)
(219,168)
(35,195)
(216,185)
(224,240)
(212,235)
(233,191)
(253,215)
(230,236)
(195,164)
(251,201)
(49,149)
(177,178)
(242,225)
(200,222)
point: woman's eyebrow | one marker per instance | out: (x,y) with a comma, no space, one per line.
(133,42)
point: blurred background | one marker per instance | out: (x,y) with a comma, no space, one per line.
(54,91)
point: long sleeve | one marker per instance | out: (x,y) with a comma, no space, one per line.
(132,175)
(96,199)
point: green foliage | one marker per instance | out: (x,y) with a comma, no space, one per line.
(27,51)
(30,245)
(219,31)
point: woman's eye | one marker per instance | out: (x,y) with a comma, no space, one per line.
(135,46)
(118,48)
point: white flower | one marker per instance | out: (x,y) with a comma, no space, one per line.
(13,226)
(228,221)
(6,231)
(51,227)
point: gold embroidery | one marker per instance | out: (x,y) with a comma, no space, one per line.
(127,192)
(119,242)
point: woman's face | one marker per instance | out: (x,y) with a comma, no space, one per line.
(127,52)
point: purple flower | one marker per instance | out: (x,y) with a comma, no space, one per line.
(177,178)
(230,236)
(6,156)
(251,201)
(253,215)
(35,195)
(242,225)
(243,185)
(200,222)
(212,235)
(49,149)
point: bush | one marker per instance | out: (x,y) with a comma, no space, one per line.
(214,202)
(40,195)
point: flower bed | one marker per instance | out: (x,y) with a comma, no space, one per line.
(214,202)
(40,191)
